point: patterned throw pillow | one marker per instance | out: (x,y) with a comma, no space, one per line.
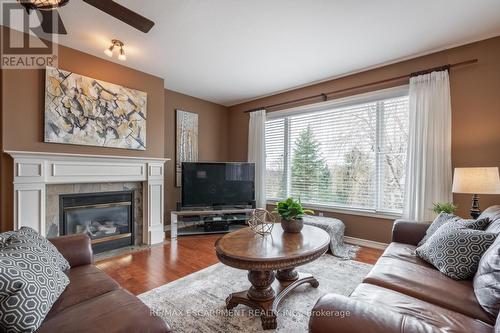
(29,236)
(456,252)
(453,221)
(30,283)
(481,224)
(4,236)
(487,280)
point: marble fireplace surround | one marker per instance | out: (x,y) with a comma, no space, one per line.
(35,172)
(53,192)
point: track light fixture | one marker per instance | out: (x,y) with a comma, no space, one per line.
(122,55)
(42,4)
(118,44)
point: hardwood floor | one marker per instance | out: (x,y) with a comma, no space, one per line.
(368,255)
(147,269)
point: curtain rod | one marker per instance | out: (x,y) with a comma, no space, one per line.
(324,96)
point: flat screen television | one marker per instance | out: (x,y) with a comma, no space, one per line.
(217,185)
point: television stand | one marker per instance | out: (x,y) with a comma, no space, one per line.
(214,221)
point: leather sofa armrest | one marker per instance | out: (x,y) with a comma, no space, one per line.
(337,313)
(408,232)
(76,249)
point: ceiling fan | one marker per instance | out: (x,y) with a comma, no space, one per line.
(46,8)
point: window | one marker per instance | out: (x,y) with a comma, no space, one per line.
(349,153)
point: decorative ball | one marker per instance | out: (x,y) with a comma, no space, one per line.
(261,221)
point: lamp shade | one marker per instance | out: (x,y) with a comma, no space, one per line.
(476,180)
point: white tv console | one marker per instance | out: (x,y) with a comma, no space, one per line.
(196,220)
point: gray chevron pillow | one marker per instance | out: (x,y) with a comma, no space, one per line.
(445,220)
(487,280)
(456,252)
(4,236)
(30,283)
(28,235)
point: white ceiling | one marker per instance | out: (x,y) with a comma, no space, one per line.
(228,51)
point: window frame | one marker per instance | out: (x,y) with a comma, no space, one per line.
(352,100)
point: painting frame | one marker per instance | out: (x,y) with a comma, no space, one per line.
(186,141)
(80,110)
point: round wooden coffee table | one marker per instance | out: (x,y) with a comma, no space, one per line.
(262,256)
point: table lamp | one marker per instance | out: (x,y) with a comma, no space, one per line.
(476,181)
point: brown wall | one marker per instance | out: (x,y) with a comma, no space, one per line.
(212,140)
(23,106)
(475,93)
(1,155)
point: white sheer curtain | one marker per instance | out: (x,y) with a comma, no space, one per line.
(428,169)
(257,154)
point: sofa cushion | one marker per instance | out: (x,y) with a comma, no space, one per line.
(30,283)
(456,252)
(405,253)
(337,313)
(114,312)
(86,282)
(487,280)
(340,314)
(27,235)
(427,284)
(441,318)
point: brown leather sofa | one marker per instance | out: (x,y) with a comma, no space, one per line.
(94,302)
(403,293)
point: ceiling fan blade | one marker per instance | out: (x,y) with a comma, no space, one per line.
(47,23)
(123,14)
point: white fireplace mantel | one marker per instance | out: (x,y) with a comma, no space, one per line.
(34,170)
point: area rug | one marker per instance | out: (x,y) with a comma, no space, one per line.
(196,303)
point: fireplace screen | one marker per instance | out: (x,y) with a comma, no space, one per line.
(107,218)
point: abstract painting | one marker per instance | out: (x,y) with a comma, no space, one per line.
(84,111)
(187,141)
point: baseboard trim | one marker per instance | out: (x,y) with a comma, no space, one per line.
(365,242)
(347,239)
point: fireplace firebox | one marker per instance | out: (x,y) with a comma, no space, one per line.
(106,217)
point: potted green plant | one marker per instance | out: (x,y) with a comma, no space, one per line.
(444,207)
(291,213)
